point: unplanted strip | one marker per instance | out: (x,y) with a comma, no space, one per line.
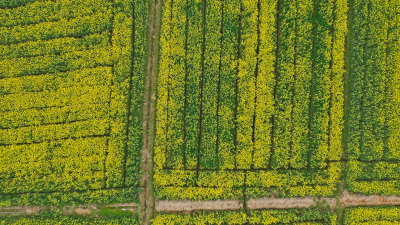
(347,200)
(283,203)
(350,200)
(175,206)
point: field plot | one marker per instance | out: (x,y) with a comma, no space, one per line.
(372,216)
(250,98)
(71,96)
(374,108)
(290,216)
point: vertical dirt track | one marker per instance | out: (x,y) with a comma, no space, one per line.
(146,196)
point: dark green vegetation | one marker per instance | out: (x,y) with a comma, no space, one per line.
(373,140)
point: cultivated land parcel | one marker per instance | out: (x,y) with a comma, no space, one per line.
(118,108)
(72,78)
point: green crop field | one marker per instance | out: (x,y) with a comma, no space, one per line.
(291,216)
(71,86)
(372,215)
(373,140)
(52,219)
(250,96)
(199,112)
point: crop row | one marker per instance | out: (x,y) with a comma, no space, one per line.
(357,215)
(50,11)
(185,184)
(15,3)
(55,46)
(291,216)
(134,105)
(372,215)
(61,97)
(374,105)
(55,81)
(75,27)
(51,218)
(52,63)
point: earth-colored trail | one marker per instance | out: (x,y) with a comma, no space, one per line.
(188,206)
(146,197)
(346,200)
(283,203)
(84,209)
(350,200)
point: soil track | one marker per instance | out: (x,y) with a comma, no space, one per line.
(282,203)
(188,206)
(146,197)
(85,209)
(346,200)
(350,200)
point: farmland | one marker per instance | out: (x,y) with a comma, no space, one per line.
(70,125)
(371,215)
(255,217)
(250,99)
(373,140)
(199,112)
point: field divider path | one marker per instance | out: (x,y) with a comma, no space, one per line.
(84,209)
(188,206)
(149,109)
(346,200)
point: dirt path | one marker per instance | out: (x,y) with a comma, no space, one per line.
(20,210)
(346,200)
(188,206)
(85,209)
(146,197)
(350,200)
(282,203)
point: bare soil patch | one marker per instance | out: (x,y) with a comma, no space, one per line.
(350,200)
(346,200)
(188,206)
(147,198)
(283,203)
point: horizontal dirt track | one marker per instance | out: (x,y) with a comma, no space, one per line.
(347,200)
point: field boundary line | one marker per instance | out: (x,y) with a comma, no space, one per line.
(83,209)
(149,111)
(185,206)
(346,200)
